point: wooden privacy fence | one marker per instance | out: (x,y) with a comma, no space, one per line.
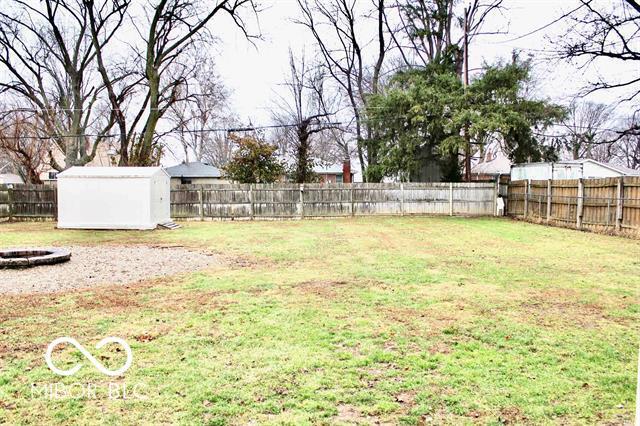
(609,204)
(281,201)
(25,202)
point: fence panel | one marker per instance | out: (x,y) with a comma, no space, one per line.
(4,202)
(331,200)
(516,198)
(24,201)
(631,203)
(603,205)
(599,206)
(426,199)
(281,201)
(564,201)
(327,201)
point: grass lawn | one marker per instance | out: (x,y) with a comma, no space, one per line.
(390,320)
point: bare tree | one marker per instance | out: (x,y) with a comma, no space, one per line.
(302,113)
(22,146)
(176,28)
(204,109)
(342,50)
(627,143)
(218,148)
(586,133)
(47,57)
(629,151)
(605,30)
(427,29)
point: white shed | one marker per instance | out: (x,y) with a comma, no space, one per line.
(113,198)
(573,169)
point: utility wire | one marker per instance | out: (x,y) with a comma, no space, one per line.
(175,131)
(555,21)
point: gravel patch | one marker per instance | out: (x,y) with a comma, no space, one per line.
(94,266)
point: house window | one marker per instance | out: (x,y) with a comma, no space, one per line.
(53,175)
(339,179)
(184,181)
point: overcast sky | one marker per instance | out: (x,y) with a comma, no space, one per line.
(254,73)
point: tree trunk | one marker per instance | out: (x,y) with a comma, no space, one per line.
(302,154)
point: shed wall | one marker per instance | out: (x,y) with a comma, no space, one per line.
(160,198)
(597,171)
(104,203)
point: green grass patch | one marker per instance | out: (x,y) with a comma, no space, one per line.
(397,320)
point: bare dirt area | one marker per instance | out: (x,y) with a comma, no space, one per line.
(93,266)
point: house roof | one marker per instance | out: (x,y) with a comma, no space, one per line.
(334,169)
(194,170)
(10,178)
(500,165)
(110,172)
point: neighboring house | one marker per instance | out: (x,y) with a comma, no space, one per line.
(335,173)
(574,169)
(105,157)
(195,173)
(10,179)
(492,165)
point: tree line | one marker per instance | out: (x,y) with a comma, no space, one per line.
(387,85)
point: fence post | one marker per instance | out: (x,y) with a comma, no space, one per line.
(201,202)
(55,202)
(496,194)
(401,199)
(451,199)
(549,195)
(526,198)
(580,203)
(619,204)
(351,203)
(302,201)
(10,201)
(251,208)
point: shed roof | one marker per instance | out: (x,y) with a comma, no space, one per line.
(331,169)
(195,169)
(624,171)
(110,172)
(615,167)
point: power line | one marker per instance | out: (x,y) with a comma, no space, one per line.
(541,28)
(175,131)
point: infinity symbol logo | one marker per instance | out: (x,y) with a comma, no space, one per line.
(95,362)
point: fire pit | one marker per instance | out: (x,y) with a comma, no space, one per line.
(27,258)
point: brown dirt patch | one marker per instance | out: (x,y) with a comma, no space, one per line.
(321,288)
(563,308)
(348,414)
(511,416)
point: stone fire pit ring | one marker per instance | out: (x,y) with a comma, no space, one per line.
(28,258)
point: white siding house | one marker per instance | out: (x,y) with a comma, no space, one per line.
(575,169)
(113,198)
